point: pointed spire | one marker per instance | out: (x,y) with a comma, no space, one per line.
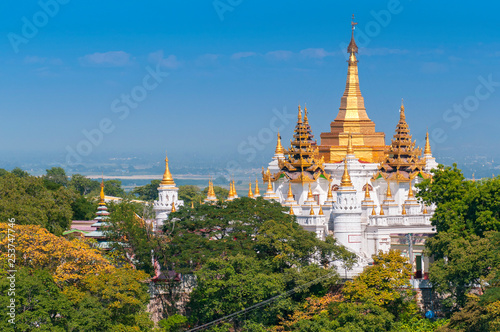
(306,120)
(291,211)
(290,193)
(330,194)
(269,185)
(211,193)
(101,195)
(167,176)
(257,191)
(310,194)
(320,213)
(299,116)
(374,213)
(352,48)
(346,179)
(404,210)
(388,193)
(367,192)
(192,204)
(427,150)
(173,208)
(279,147)
(410,191)
(250,193)
(425,210)
(402,115)
(381,211)
(311,212)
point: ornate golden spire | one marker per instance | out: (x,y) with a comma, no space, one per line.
(230,195)
(427,149)
(250,193)
(402,115)
(404,210)
(257,191)
(290,193)
(269,185)
(425,210)
(299,116)
(291,211)
(367,192)
(374,213)
(306,120)
(311,212)
(350,150)
(346,179)
(279,147)
(352,48)
(167,177)
(173,208)
(388,193)
(381,211)
(101,195)
(320,213)
(410,191)
(330,194)
(310,194)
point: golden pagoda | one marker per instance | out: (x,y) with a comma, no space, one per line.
(352,119)
(257,191)
(402,162)
(211,198)
(302,162)
(167,180)
(250,193)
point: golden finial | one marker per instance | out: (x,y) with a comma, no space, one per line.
(290,193)
(269,185)
(402,111)
(410,191)
(320,213)
(250,193)
(425,210)
(167,177)
(404,210)
(257,191)
(381,211)
(101,195)
(346,179)
(427,149)
(279,147)
(230,194)
(311,212)
(352,48)
(306,120)
(374,213)
(291,211)
(299,117)
(330,194)
(388,193)
(367,192)
(350,150)
(192,205)
(310,194)
(173,208)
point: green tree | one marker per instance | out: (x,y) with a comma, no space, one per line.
(83,209)
(55,177)
(148,192)
(28,201)
(221,193)
(190,193)
(82,184)
(20,173)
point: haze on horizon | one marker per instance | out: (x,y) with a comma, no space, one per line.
(209,79)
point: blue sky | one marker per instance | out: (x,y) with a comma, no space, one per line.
(226,65)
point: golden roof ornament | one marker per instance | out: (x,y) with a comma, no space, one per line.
(350,150)
(330,194)
(381,211)
(427,150)
(410,191)
(346,179)
(279,147)
(257,191)
(311,212)
(374,213)
(352,47)
(167,176)
(310,194)
(425,210)
(367,192)
(291,211)
(101,195)
(290,193)
(269,185)
(388,193)
(250,193)
(404,210)
(299,116)
(306,120)
(320,213)
(173,208)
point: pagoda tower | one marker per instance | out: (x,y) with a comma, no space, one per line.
(102,210)
(168,200)
(352,118)
(430,161)
(402,162)
(211,198)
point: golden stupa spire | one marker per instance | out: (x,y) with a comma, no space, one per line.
(381,211)
(350,150)
(290,193)
(279,147)
(291,211)
(231,191)
(173,208)
(427,149)
(192,204)
(388,193)
(250,193)
(311,212)
(310,194)
(374,213)
(306,120)
(425,210)
(346,179)
(330,194)
(320,213)
(167,177)
(101,195)
(269,185)
(257,191)
(404,210)
(402,115)
(367,192)
(410,191)
(299,116)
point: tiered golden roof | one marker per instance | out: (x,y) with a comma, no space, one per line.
(167,176)
(402,162)
(302,162)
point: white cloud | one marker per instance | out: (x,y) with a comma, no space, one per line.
(169,62)
(280,55)
(316,53)
(107,59)
(241,55)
